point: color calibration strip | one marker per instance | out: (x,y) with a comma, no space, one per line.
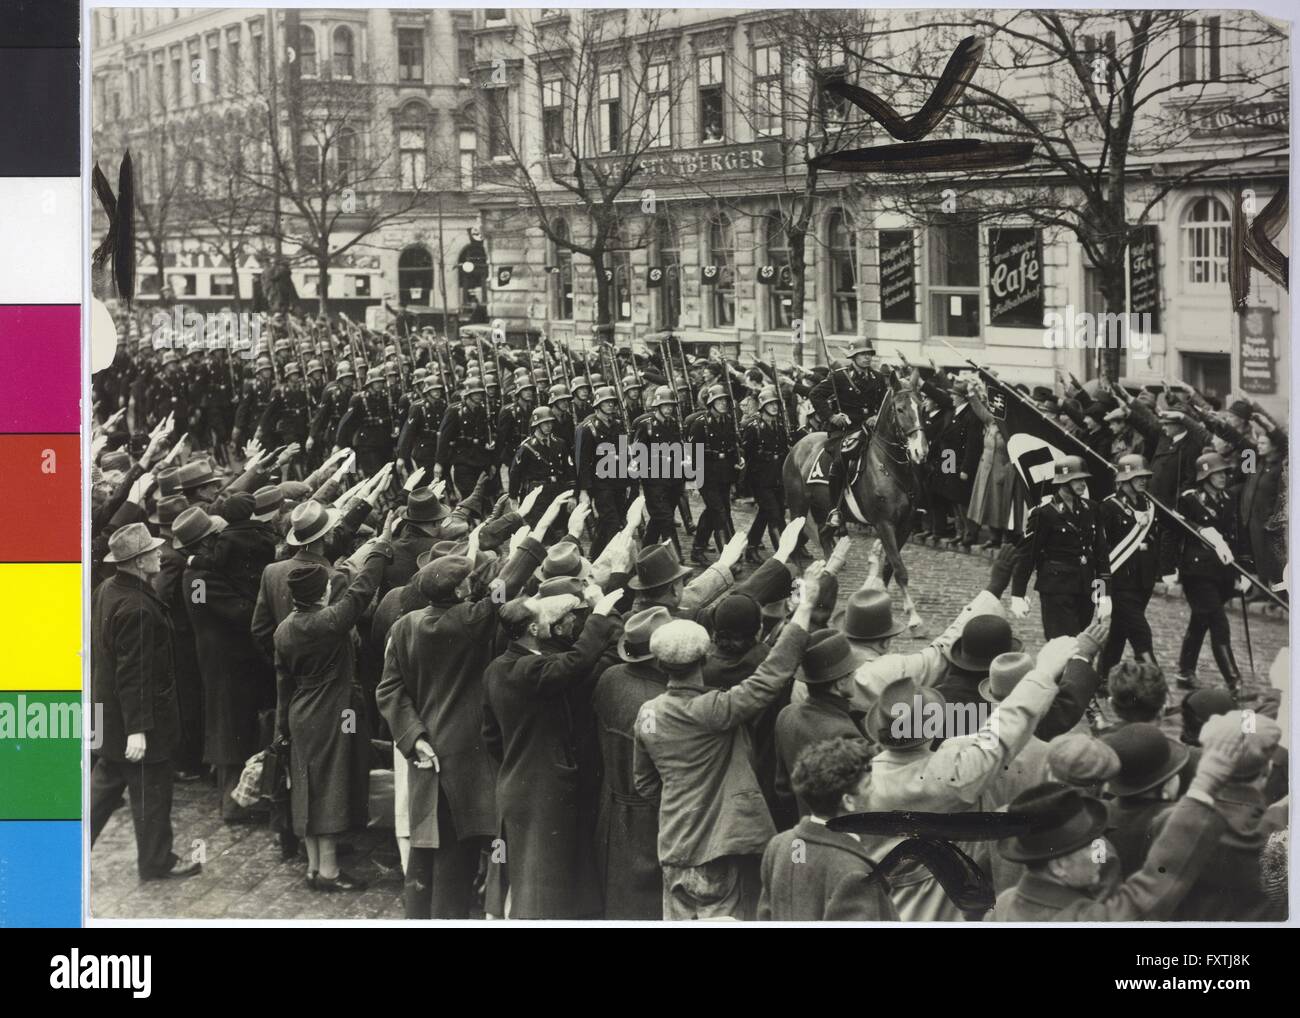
(41,725)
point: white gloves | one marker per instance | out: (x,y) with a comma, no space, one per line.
(1019,607)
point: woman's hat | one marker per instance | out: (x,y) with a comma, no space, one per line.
(982,639)
(1061,820)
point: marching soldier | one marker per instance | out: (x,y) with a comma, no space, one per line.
(715,431)
(256,394)
(595,441)
(1131,532)
(765,443)
(367,426)
(285,418)
(513,424)
(1065,543)
(417,446)
(581,399)
(1206,571)
(848,400)
(541,461)
(658,430)
(167,395)
(219,404)
(197,377)
(561,404)
(465,446)
(329,412)
(315,383)
(633,388)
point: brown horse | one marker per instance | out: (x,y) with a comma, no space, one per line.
(884,493)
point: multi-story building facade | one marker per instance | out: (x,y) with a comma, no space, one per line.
(162,74)
(708,257)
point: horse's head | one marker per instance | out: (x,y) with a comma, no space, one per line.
(905,407)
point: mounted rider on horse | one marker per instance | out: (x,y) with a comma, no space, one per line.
(849,399)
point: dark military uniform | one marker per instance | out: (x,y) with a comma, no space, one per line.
(717,434)
(661,493)
(1067,548)
(286,415)
(463,451)
(540,461)
(765,444)
(1132,536)
(252,404)
(198,378)
(367,426)
(1207,582)
(167,395)
(329,413)
(418,443)
(594,443)
(219,402)
(512,428)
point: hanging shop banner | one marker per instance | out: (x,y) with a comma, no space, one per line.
(1144,274)
(1258,361)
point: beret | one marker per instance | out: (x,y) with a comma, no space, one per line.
(308,582)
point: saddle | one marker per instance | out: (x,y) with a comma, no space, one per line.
(851,445)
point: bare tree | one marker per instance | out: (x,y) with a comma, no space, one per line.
(1110,102)
(604,84)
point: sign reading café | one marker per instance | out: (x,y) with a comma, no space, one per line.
(706,161)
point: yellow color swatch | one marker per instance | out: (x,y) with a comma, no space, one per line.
(40,625)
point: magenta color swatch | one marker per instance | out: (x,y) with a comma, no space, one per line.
(40,368)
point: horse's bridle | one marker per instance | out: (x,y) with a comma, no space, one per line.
(900,442)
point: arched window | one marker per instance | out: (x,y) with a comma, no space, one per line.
(343,52)
(415,275)
(309,159)
(562,294)
(722,253)
(780,292)
(346,146)
(307,51)
(1206,226)
(668,251)
(842,240)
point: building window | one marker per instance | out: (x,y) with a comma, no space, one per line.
(1099,51)
(117,105)
(259,60)
(160,90)
(360,286)
(1206,226)
(410,54)
(232,59)
(464,52)
(194,174)
(712,86)
(222,285)
(767,90)
(611,107)
(176,78)
(954,280)
(659,106)
(343,66)
(309,160)
(347,155)
(562,295)
(307,51)
(843,243)
(722,253)
(468,157)
(1199,57)
(498,122)
(214,64)
(780,292)
(494,14)
(669,253)
(553,117)
(197,74)
(410,143)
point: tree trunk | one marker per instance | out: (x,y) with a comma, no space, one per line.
(1109,355)
(322,283)
(604,329)
(233,258)
(799,275)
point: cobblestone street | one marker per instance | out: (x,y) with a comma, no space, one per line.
(243,877)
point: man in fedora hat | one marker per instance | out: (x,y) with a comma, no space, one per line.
(962,774)
(1065,544)
(422,522)
(692,754)
(1148,779)
(848,399)
(189,685)
(1065,851)
(1133,535)
(627,826)
(829,663)
(431,695)
(954,459)
(1172,441)
(536,695)
(811,873)
(133,676)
